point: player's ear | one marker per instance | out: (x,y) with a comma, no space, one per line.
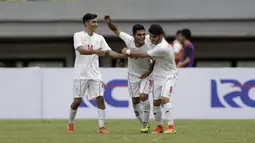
(86,23)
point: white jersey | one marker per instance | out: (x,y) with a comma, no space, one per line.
(87,66)
(136,66)
(165,66)
(177,46)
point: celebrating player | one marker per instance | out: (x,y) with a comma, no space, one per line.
(164,74)
(87,77)
(139,70)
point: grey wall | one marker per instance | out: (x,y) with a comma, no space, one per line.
(54,19)
(129,9)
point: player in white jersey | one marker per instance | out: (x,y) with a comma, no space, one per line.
(87,77)
(139,72)
(164,73)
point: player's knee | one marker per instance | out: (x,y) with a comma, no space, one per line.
(136,100)
(156,102)
(164,100)
(100,102)
(76,103)
(143,97)
(100,98)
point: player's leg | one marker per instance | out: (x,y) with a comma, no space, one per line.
(96,91)
(157,112)
(167,105)
(133,87)
(145,89)
(79,89)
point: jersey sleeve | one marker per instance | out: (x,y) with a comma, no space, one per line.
(157,52)
(77,41)
(126,37)
(104,44)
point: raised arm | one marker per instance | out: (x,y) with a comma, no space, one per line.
(111,26)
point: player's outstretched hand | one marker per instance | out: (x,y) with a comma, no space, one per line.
(124,51)
(100,52)
(107,19)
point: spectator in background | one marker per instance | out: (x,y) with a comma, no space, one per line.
(178,47)
(188,56)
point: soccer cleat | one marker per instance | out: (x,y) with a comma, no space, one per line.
(159,129)
(170,130)
(145,128)
(70,128)
(103,130)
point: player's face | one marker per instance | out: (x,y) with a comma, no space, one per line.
(92,24)
(180,38)
(155,39)
(139,36)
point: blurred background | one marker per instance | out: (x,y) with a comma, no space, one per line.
(209,100)
(39,32)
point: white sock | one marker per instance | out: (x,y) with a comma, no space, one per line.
(101,117)
(137,110)
(169,114)
(72,115)
(146,111)
(158,115)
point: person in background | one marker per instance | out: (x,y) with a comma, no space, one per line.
(188,56)
(178,47)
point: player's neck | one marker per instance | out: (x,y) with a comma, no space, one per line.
(90,32)
(138,44)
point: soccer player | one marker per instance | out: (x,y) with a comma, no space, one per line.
(164,74)
(139,78)
(87,77)
(188,56)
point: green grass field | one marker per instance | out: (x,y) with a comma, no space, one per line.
(126,131)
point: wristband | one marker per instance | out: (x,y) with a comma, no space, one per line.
(128,51)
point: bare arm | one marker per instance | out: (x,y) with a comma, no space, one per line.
(83,51)
(187,55)
(184,63)
(111,26)
(135,54)
(114,54)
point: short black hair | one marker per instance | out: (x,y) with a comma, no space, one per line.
(156,29)
(186,33)
(88,16)
(137,27)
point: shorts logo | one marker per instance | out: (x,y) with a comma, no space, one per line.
(150,82)
(171,89)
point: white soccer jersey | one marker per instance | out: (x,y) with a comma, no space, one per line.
(87,66)
(136,66)
(165,66)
